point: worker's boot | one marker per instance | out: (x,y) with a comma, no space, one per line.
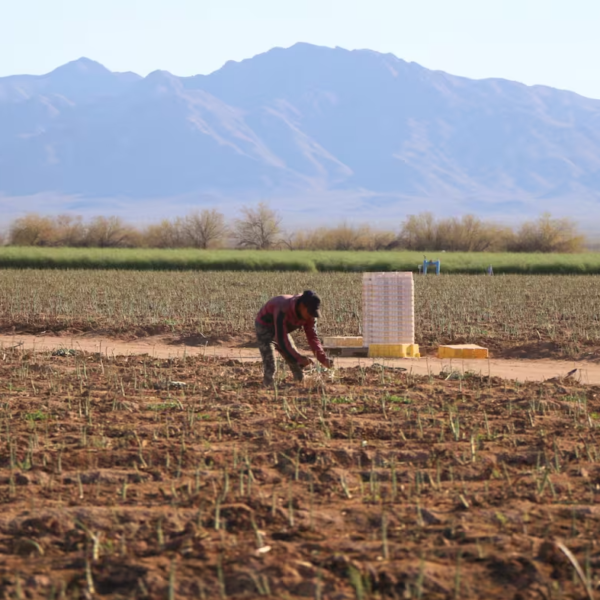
(297,371)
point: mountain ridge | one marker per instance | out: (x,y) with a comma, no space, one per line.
(306,123)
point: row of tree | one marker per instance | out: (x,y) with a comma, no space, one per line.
(260,228)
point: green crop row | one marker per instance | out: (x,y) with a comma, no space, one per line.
(556,313)
(301,261)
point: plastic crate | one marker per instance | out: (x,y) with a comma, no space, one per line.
(464,351)
(388,309)
(394,351)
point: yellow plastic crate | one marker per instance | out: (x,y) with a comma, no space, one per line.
(463,351)
(340,341)
(394,351)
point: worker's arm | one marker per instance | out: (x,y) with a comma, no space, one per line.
(315,344)
(283,340)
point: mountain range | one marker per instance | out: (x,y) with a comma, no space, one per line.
(318,132)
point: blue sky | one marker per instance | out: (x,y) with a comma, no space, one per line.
(552,42)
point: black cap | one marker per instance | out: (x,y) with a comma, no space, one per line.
(312,303)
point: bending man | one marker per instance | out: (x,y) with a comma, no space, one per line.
(276,320)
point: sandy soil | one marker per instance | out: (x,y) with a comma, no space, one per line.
(170,347)
(150,478)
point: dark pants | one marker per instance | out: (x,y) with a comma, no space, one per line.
(267,345)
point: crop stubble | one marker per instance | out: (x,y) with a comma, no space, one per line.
(132,477)
(515,315)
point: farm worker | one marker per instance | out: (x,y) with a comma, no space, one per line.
(274,323)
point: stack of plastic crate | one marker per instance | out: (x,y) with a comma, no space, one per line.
(388,324)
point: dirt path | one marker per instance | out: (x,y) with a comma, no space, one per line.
(163,347)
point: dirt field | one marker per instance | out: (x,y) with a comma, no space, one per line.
(142,477)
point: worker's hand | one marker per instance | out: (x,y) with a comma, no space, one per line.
(328,364)
(305,361)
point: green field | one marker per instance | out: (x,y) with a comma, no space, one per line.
(303,261)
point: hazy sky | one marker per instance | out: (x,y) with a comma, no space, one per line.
(553,42)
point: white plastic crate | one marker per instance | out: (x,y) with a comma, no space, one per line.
(388,308)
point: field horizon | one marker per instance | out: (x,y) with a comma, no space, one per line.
(307,261)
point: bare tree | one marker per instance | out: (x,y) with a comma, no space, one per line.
(344,237)
(466,234)
(419,232)
(70,231)
(110,232)
(382,240)
(32,230)
(166,234)
(205,229)
(288,240)
(258,228)
(547,234)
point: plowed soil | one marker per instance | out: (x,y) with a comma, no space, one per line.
(142,477)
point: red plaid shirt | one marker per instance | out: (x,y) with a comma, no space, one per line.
(280,314)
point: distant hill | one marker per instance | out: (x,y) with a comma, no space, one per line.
(351,134)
